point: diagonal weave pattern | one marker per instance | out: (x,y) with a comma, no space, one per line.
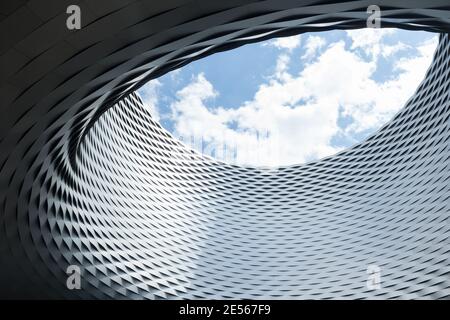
(88,178)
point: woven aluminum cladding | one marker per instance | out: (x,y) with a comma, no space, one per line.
(89,178)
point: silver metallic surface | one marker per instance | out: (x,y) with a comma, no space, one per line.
(88,178)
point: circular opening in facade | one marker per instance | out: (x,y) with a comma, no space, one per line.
(291,100)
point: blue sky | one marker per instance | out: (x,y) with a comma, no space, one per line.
(291,100)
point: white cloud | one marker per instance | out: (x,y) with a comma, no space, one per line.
(149,95)
(190,114)
(369,40)
(287,133)
(297,115)
(289,43)
(281,69)
(389,50)
(384,99)
(313,44)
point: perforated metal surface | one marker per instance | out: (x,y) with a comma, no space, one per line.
(90,181)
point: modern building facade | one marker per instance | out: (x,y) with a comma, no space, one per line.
(88,178)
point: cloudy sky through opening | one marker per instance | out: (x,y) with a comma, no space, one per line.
(292,100)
